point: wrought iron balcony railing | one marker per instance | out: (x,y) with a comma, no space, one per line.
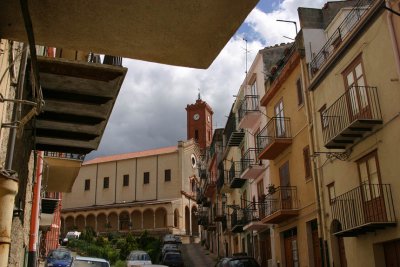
(250,158)
(274,137)
(250,103)
(363,209)
(64,155)
(233,136)
(279,205)
(346,27)
(234,179)
(238,220)
(350,116)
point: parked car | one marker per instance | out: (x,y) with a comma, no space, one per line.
(138,258)
(170,248)
(89,262)
(173,259)
(59,258)
(172,239)
(71,235)
(237,261)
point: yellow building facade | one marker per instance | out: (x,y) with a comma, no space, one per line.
(151,190)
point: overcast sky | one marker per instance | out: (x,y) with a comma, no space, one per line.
(150,109)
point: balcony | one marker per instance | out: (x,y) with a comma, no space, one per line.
(279,205)
(274,138)
(219,213)
(252,220)
(249,112)
(209,188)
(79,97)
(353,115)
(61,170)
(351,21)
(233,136)
(234,175)
(251,166)
(363,209)
(237,220)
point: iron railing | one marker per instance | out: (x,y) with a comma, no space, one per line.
(235,170)
(363,205)
(252,212)
(112,60)
(282,198)
(238,218)
(249,158)
(348,24)
(64,155)
(357,103)
(275,72)
(277,127)
(249,103)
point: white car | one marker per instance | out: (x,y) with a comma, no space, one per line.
(89,262)
(71,235)
(138,258)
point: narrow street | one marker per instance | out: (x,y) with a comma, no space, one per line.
(195,255)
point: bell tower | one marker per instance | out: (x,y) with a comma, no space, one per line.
(199,122)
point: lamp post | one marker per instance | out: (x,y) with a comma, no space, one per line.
(290,21)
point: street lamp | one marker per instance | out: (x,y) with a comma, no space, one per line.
(290,21)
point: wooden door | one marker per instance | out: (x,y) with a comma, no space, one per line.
(392,253)
(263,253)
(342,252)
(285,192)
(372,193)
(357,94)
(316,248)
(291,252)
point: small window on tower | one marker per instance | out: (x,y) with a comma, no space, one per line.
(196,135)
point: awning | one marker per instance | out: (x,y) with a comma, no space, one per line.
(176,32)
(59,174)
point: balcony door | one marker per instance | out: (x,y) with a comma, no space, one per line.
(357,94)
(280,121)
(285,193)
(373,201)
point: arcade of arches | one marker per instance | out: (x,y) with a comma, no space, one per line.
(158,219)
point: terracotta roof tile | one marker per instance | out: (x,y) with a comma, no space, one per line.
(138,154)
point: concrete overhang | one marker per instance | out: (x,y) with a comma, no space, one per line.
(59,174)
(79,97)
(175,32)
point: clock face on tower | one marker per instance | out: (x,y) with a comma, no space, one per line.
(196,116)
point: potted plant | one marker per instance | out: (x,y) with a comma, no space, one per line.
(271,189)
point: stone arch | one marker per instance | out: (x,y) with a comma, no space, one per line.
(148,219)
(101,222)
(161,218)
(91,221)
(69,223)
(124,221)
(187,220)
(112,222)
(176,218)
(136,219)
(80,222)
(195,226)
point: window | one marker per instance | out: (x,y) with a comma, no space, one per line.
(324,118)
(106,182)
(368,169)
(193,184)
(244,199)
(300,98)
(196,135)
(146,178)
(87,184)
(331,192)
(307,162)
(280,119)
(167,175)
(126,180)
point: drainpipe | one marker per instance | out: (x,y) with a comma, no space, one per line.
(395,43)
(34,229)
(9,178)
(317,172)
